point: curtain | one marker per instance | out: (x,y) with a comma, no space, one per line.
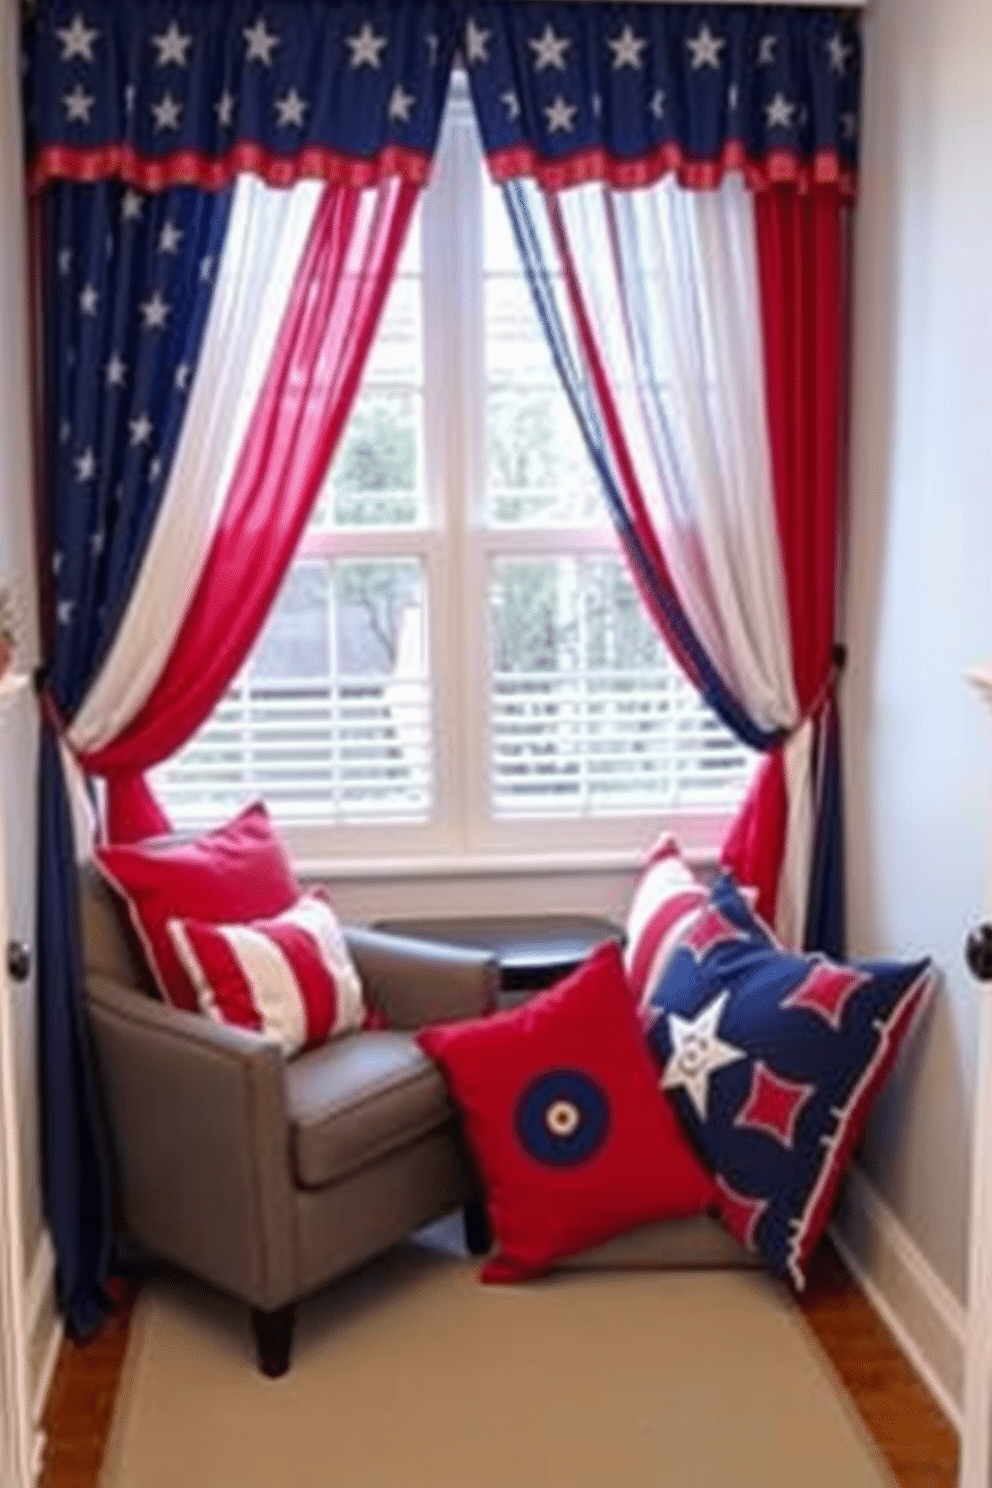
(202,338)
(679,179)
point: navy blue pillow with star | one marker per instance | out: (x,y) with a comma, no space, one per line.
(772,1060)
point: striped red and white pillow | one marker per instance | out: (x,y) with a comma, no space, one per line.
(290,976)
(666,901)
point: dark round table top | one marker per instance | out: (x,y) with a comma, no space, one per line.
(532,950)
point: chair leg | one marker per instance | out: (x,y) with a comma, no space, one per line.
(273,1338)
(478,1236)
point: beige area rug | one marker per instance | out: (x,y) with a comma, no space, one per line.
(411,1374)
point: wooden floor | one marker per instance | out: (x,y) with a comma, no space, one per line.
(905,1421)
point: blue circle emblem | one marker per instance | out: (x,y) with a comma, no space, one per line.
(562,1118)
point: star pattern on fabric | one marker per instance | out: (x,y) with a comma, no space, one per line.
(291,110)
(367,47)
(476,43)
(826,991)
(224,109)
(779,112)
(766,49)
(400,104)
(116,371)
(77,40)
(549,49)
(169,238)
(132,205)
(838,52)
(627,49)
(167,112)
(154,312)
(698,1053)
(172,46)
(78,105)
(705,48)
(774,1104)
(560,115)
(260,42)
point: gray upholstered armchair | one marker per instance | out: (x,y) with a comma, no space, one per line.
(269,1177)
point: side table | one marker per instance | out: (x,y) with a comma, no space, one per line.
(533,951)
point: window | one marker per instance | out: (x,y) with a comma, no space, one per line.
(458,663)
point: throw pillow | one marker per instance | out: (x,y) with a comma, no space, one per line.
(572,1137)
(289,976)
(772,1060)
(236,872)
(666,900)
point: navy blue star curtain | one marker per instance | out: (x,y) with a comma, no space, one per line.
(141,120)
(679,181)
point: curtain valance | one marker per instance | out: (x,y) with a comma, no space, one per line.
(195,91)
(569,93)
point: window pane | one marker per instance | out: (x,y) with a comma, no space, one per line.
(538,472)
(589,714)
(329,719)
(375,479)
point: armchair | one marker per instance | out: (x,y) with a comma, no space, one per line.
(269,1177)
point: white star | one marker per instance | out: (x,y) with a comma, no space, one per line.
(766,50)
(88,299)
(549,50)
(116,371)
(166,113)
(366,47)
(132,204)
(512,104)
(627,49)
(97,542)
(697,1053)
(206,268)
(65,261)
(130,94)
(400,104)
(560,116)
(77,105)
(705,48)
(597,104)
(657,104)
(224,109)
(476,43)
(141,429)
(64,611)
(155,469)
(85,466)
(261,42)
(733,95)
(432,46)
(838,50)
(77,40)
(182,377)
(779,112)
(291,109)
(169,238)
(56,562)
(65,429)
(154,312)
(849,125)
(172,46)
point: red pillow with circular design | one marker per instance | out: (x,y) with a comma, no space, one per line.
(573,1138)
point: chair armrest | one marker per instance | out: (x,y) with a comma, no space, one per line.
(416,982)
(199,1129)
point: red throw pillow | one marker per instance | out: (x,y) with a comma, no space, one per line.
(573,1138)
(666,901)
(237,872)
(289,976)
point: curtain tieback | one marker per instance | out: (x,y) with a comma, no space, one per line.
(838,660)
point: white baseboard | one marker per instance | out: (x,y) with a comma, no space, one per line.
(918,1308)
(42,1322)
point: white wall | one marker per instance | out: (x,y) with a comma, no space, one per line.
(919,605)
